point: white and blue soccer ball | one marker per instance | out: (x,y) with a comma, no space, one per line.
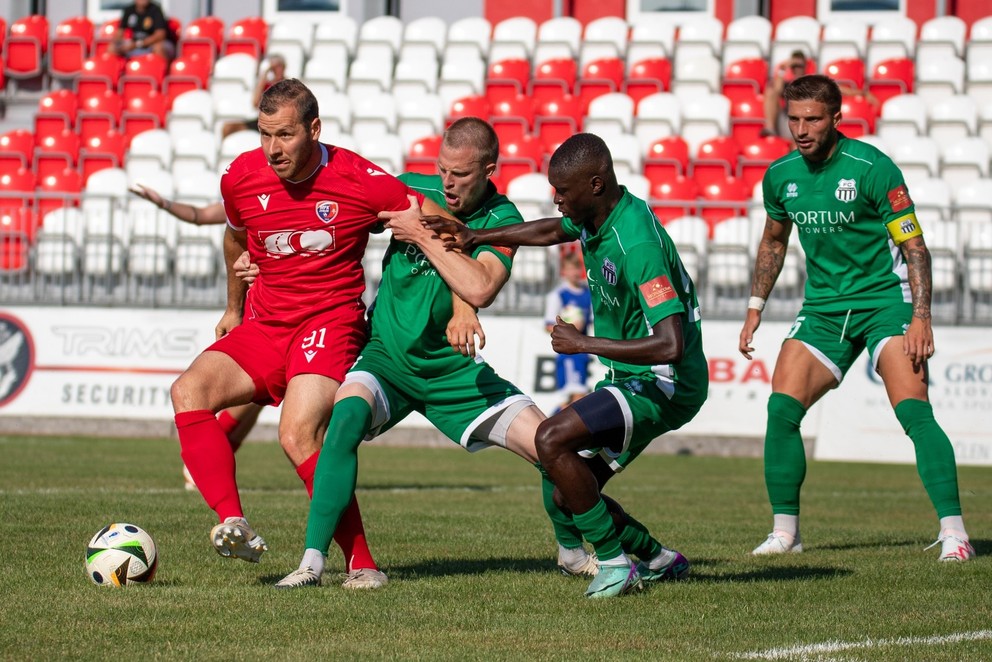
(121,554)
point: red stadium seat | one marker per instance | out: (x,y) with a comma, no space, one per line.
(104,36)
(59,189)
(599,77)
(16,150)
(142,74)
(728,198)
(17,219)
(512,118)
(203,36)
(99,114)
(647,77)
(518,158)
(55,153)
(248,35)
(99,73)
(553,79)
(473,106)
(891,78)
(557,119)
(715,160)
(101,151)
(507,79)
(757,156)
(70,47)
(666,158)
(143,114)
(25,48)
(56,113)
(747,119)
(858,116)
(745,78)
(674,197)
(848,71)
(422,156)
(186,74)
(3,32)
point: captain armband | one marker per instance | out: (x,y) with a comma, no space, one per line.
(904,227)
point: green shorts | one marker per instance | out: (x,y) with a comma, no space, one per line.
(836,339)
(456,401)
(647,413)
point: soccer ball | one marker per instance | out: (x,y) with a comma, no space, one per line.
(121,554)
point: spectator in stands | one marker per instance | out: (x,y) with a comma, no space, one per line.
(868,288)
(275,72)
(785,73)
(570,302)
(144,29)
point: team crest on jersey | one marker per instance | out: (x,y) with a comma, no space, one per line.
(792,190)
(609,272)
(846,190)
(326,210)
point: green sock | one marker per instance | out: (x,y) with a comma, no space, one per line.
(566,533)
(785,456)
(597,527)
(336,473)
(934,455)
(637,540)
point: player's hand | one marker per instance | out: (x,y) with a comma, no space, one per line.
(455,236)
(462,331)
(751,324)
(230,319)
(245,269)
(566,339)
(405,225)
(149,194)
(917,343)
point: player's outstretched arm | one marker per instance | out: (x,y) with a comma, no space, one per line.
(235,243)
(212,214)
(918,341)
(455,236)
(767,266)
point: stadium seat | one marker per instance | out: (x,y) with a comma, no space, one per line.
(413,79)
(757,155)
(104,36)
(101,151)
(727,198)
(532,194)
(843,39)
(507,79)
(690,234)
(513,37)
(743,79)
(627,154)
(149,152)
(557,38)
(978,81)
(58,189)
(56,152)
(891,38)
(942,37)
(609,114)
(891,78)
(203,36)
(847,71)
(381,35)
(56,113)
(231,86)
(651,36)
(337,36)
(552,79)
(461,78)
(373,116)
(795,33)
(99,73)
(747,118)
(973,204)
(16,150)
(232,147)
(70,47)
(604,37)
(512,118)
(705,117)
(658,116)
(328,66)
(57,243)
(335,111)
(964,161)
(384,150)
(695,77)
(99,114)
(422,155)
(25,48)
(471,106)
(370,75)
(193,153)
(903,115)
(18,221)
(557,119)
(674,197)
(599,77)
(666,158)
(518,158)
(699,35)
(748,38)
(143,114)
(185,75)
(953,119)
(647,77)
(715,160)
(104,232)
(248,35)
(938,78)
(424,38)
(932,201)
(470,37)
(142,75)
(637,184)
(418,118)
(917,156)
(858,116)
(191,111)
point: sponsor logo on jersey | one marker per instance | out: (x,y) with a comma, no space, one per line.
(327,210)
(792,190)
(16,357)
(264,200)
(609,272)
(657,290)
(291,242)
(373,172)
(846,190)
(899,198)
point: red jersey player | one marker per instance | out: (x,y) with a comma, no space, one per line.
(304,211)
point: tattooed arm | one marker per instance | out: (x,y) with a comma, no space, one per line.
(767,267)
(917,343)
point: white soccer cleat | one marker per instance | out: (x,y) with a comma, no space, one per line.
(779,542)
(364,578)
(299,579)
(233,538)
(953,548)
(577,562)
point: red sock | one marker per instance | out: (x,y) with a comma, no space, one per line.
(210,460)
(227,422)
(350,534)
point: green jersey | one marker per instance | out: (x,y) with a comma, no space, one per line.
(850,212)
(413,307)
(636,279)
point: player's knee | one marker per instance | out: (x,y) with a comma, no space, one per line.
(547,441)
(184,393)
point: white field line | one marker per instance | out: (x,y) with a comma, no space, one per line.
(813,651)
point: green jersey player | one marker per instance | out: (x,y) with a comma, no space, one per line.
(868,288)
(647,335)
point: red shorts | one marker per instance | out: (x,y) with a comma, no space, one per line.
(272,354)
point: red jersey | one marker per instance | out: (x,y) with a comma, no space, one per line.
(308,237)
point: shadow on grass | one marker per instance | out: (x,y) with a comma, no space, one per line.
(982,547)
(866,544)
(422,487)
